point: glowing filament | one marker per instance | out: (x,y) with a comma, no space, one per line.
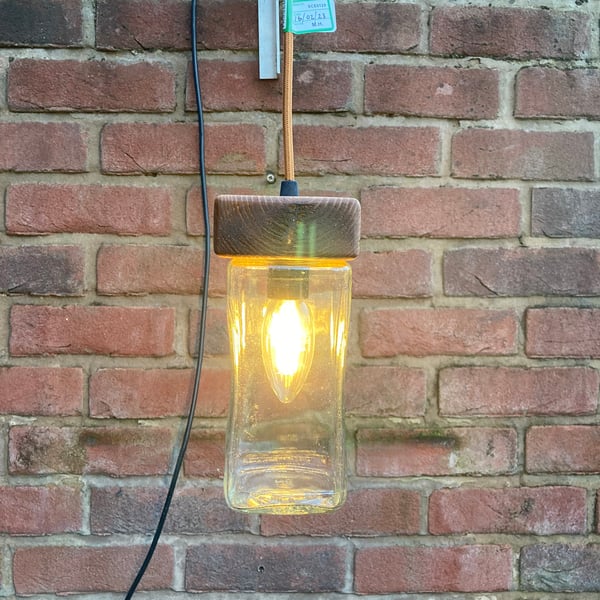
(287,345)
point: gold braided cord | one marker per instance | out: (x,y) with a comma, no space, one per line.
(288,79)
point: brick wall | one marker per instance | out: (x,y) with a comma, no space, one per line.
(469,131)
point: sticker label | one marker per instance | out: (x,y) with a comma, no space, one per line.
(309,16)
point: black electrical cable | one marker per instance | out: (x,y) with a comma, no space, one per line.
(202,320)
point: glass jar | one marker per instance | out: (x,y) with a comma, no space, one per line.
(288,310)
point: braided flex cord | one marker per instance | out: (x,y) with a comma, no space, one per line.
(288,79)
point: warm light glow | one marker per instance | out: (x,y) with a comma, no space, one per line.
(287,345)
(287,337)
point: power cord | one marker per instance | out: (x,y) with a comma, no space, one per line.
(202,321)
(289,185)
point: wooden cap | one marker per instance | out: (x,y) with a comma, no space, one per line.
(287,226)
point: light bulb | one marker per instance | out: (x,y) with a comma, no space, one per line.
(287,346)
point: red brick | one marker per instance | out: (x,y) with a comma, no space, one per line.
(440,212)
(452,331)
(34,208)
(43,147)
(551,92)
(155,393)
(71,569)
(217,285)
(458,451)
(562,332)
(394,274)
(405,569)
(319,86)
(148,25)
(447,92)
(522,272)
(147,148)
(43,391)
(111,330)
(561,568)
(194,211)
(565,212)
(385,391)
(205,456)
(36,510)
(113,451)
(323,149)
(135,269)
(510,32)
(42,270)
(90,86)
(228,25)
(562,449)
(499,391)
(539,511)
(129,510)
(366,512)
(366,27)
(142,25)
(216,342)
(516,154)
(265,567)
(52,23)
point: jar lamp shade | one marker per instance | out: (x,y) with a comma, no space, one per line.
(288,307)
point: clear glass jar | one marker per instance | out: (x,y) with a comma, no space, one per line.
(288,321)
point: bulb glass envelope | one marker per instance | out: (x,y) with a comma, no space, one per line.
(288,307)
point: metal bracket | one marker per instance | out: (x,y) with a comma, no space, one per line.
(269,62)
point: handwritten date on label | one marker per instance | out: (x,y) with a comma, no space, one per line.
(309,16)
